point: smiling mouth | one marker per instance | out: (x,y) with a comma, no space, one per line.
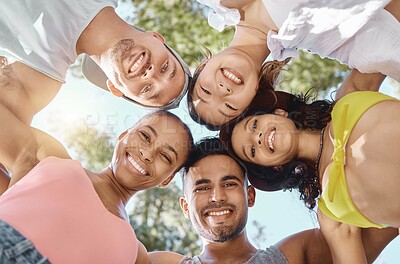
(136,165)
(218,213)
(139,65)
(271,140)
(232,76)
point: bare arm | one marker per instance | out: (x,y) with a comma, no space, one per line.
(22,147)
(164,257)
(394,8)
(357,81)
(142,257)
(345,241)
(310,246)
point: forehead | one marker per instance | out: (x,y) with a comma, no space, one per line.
(163,124)
(167,130)
(210,112)
(214,168)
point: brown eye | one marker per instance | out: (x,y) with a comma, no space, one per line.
(146,89)
(254,125)
(164,67)
(206,91)
(253,151)
(230,107)
(166,157)
(144,136)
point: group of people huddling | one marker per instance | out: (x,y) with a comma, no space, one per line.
(341,156)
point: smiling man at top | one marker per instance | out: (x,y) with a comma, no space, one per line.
(40,39)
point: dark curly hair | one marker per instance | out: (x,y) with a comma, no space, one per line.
(297,174)
(269,75)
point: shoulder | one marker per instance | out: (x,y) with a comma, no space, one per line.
(273,255)
(307,246)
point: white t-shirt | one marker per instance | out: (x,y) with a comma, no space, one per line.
(280,9)
(43,33)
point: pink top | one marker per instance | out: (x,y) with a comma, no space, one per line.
(57,208)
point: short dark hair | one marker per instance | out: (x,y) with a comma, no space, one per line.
(207,147)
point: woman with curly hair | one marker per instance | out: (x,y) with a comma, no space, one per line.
(362,34)
(351,163)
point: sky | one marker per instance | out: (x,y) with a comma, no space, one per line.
(282,213)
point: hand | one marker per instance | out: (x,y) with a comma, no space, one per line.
(344,240)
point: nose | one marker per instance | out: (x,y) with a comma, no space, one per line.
(225,89)
(149,72)
(217,195)
(257,137)
(146,155)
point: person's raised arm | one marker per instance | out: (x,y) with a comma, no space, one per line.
(22,147)
(310,247)
(357,81)
(345,241)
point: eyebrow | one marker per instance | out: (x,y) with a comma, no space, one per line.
(152,130)
(246,123)
(201,181)
(172,74)
(172,150)
(198,95)
(230,177)
(244,152)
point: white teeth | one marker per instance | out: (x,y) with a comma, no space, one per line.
(271,139)
(231,76)
(219,213)
(137,63)
(137,166)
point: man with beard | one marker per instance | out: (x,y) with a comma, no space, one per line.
(216,200)
(40,39)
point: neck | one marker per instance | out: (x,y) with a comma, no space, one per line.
(240,250)
(252,42)
(309,145)
(257,15)
(113,196)
(106,29)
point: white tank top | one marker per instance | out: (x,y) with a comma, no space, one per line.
(43,33)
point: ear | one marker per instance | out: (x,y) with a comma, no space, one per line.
(113,89)
(157,36)
(281,112)
(251,196)
(167,181)
(184,206)
(122,134)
